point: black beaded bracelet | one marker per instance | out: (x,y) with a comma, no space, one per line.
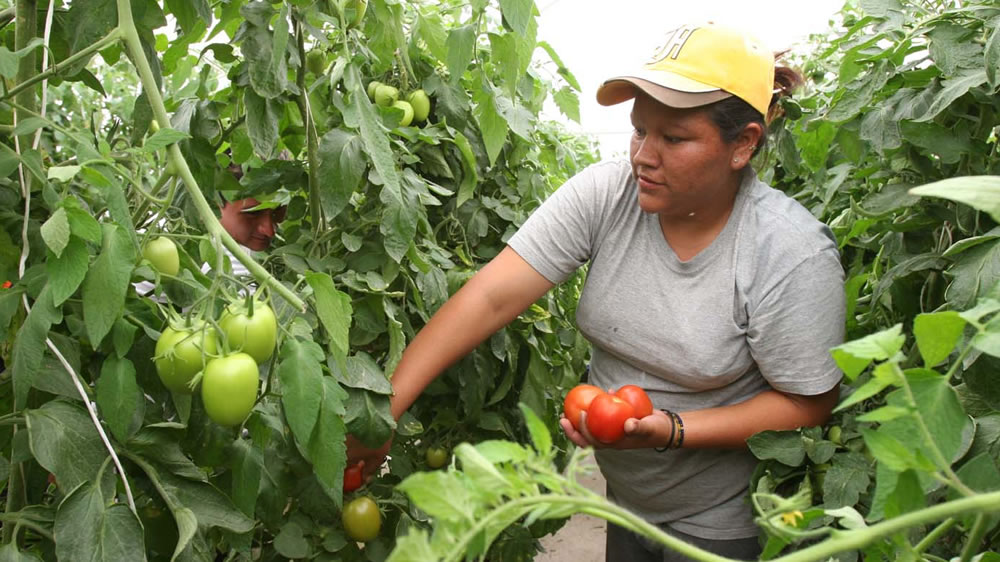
(680,431)
(673,430)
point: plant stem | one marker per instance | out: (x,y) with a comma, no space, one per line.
(212,226)
(83,54)
(858,538)
(934,535)
(312,144)
(974,538)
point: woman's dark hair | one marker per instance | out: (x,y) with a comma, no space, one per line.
(732,114)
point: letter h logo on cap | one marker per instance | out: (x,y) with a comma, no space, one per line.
(673,43)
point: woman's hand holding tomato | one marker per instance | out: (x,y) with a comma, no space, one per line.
(624,419)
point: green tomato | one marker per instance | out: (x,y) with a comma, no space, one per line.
(361,518)
(421,105)
(835,434)
(162,253)
(316,62)
(372,86)
(385,95)
(229,388)
(407,112)
(436,457)
(254,335)
(181,353)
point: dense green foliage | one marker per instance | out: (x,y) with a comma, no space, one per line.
(146,111)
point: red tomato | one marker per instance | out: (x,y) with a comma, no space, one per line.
(606,417)
(638,398)
(578,400)
(352,478)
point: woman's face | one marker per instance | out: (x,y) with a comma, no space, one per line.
(680,161)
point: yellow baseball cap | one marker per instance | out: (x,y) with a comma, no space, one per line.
(697,65)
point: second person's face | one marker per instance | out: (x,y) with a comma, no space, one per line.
(253,229)
(679,160)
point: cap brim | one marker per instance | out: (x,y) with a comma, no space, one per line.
(623,88)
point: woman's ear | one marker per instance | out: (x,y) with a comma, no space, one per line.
(745,145)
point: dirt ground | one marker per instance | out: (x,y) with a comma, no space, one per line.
(582,538)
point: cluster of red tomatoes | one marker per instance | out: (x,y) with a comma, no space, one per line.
(606,411)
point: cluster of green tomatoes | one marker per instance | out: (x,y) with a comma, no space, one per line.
(416,107)
(188,350)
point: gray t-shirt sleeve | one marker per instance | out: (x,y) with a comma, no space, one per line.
(795,325)
(559,236)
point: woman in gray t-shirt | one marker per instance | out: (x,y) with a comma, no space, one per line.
(717,294)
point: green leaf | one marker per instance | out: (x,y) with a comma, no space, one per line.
(301,378)
(889,451)
(248,472)
(269,79)
(86,22)
(368,417)
(55,231)
(67,272)
(937,403)
(166,137)
(470,172)
(563,71)
(992,54)
(335,313)
(119,397)
(785,447)
(518,14)
(884,414)
(399,221)
(492,125)
(64,441)
(9,60)
(886,375)
(88,528)
(979,192)
(953,89)
(846,479)
(440,494)
(878,346)
(974,274)
(327,449)
(29,345)
(190,13)
(981,475)
(342,166)
(937,334)
(82,223)
(540,435)
(262,123)
(63,173)
(361,371)
(107,282)
(432,31)
(461,46)
(414,546)
(880,8)
(982,380)
(290,543)
(568,103)
(162,445)
(29,125)
(503,52)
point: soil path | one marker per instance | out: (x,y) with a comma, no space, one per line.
(582,538)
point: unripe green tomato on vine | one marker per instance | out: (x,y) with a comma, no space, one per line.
(162,253)
(386,95)
(358,7)
(316,62)
(372,86)
(421,105)
(407,112)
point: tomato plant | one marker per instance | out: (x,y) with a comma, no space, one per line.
(642,406)
(162,253)
(229,388)
(144,117)
(362,519)
(606,417)
(578,400)
(183,352)
(252,330)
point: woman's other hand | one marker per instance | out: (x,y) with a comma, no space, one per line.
(640,433)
